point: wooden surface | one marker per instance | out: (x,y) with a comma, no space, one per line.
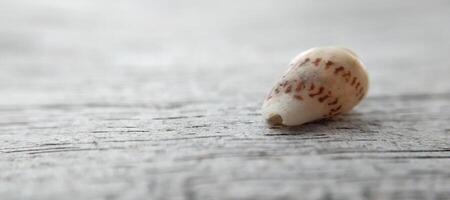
(160,100)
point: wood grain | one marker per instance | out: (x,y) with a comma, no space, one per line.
(160,100)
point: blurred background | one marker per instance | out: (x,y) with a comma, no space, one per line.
(136,51)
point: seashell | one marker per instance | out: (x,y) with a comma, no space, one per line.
(321,82)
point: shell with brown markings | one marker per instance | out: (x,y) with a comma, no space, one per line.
(321,82)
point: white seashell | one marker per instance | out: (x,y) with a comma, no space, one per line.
(322,82)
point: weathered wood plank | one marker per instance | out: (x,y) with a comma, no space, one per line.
(160,100)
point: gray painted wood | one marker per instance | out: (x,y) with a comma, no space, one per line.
(160,100)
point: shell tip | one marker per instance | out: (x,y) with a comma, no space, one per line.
(275,120)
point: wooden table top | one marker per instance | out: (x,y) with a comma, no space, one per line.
(161,100)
